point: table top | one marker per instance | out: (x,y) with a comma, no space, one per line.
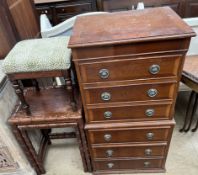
(127,27)
(46,106)
(190,69)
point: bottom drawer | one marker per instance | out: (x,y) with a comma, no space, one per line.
(136,164)
(129,150)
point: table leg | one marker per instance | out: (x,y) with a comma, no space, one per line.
(195,109)
(25,149)
(32,150)
(188,110)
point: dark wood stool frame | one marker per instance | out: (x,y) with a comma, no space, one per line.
(16,77)
(36,160)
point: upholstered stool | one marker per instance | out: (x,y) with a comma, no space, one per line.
(51,111)
(38,58)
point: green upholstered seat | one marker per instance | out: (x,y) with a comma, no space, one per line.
(35,55)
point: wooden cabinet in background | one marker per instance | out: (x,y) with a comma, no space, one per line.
(7,31)
(184,8)
(191,8)
(18,21)
(60,10)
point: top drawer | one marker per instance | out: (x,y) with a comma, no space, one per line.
(121,68)
(141,48)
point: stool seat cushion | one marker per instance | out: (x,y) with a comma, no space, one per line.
(35,55)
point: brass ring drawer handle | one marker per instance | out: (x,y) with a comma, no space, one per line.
(148,152)
(146,164)
(150,135)
(109,153)
(154,69)
(110,165)
(152,92)
(107,114)
(107,137)
(104,73)
(150,112)
(106,96)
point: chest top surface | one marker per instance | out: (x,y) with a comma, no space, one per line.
(131,26)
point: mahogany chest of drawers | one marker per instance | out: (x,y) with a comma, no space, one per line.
(129,66)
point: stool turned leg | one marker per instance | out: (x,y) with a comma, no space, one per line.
(187,111)
(19,92)
(195,108)
(25,149)
(70,89)
(35,84)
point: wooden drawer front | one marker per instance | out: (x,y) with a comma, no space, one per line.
(144,112)
(129,93)
(128,164)
(128,135)
(76,8)
(127,150)
(131,49)
(116,70)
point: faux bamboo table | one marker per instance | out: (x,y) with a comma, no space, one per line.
(190,78)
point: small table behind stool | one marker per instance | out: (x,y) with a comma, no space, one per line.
(190,78)
(52,110)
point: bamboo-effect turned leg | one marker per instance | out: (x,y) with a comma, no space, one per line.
(32,150)
(25,149)
(188,111)
(194,106)
(195,109)
(19,92)
(70,89)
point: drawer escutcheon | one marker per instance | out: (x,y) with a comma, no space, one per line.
(107,137)
(154,69)
(150,112)
(107,114)
(152,92)
(148,152)
(104,73)
(146,164)
(110,165)
(150,135)
(106,96)
(109,153)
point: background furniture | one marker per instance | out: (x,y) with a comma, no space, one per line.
(190,78)
(18,21)
(60,10)
(62,29)
(185,8)
(129,77)
(47,114)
